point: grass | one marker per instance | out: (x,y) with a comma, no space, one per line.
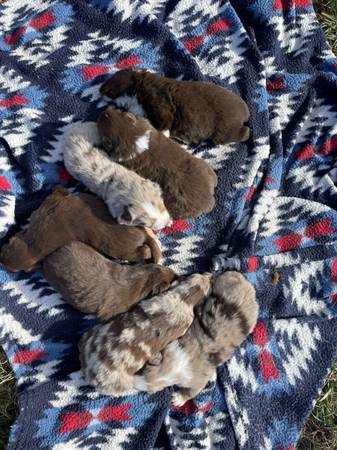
(7,398)
(327,15)
(320,432)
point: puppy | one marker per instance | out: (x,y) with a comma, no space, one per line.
(63,218)
(131,199)
(192,111)
(187,182)
(221,324)
(95,285)
(112,353)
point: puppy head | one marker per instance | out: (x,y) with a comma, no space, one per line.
(15,255)
(122,134)
(232,286)
(232,301)
(148,210)
(122,82)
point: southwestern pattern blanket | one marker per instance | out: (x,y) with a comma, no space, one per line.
(275,219)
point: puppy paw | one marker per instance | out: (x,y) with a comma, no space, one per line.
(166,133)
(179,399)
(155,359)
(144,252)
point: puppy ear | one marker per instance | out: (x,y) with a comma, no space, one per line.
(206,314)
(161,109)
(120,83)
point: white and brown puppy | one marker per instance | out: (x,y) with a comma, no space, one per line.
(187,182)
(112,353)
(93,284)
(131,199)
(192,111)
(220,325)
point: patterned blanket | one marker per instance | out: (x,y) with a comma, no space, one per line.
(275,219)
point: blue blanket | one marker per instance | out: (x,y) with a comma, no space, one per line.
(275,218)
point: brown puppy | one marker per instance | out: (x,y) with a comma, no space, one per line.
(192,111)
(187,182)
(220,325)
(95,285)
(63,218)
(112,353)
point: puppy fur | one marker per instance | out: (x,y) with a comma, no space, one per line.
(221,324)
(95,285)
(112,353)
(187,182)
(63,218)
(131,199)
(193,111)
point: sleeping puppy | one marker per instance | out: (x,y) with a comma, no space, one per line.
(221,324)
(187,182)
(63,218)
(131,199)
(192,111)
(95,285)
(112,353)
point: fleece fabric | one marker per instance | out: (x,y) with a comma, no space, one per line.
(275,218)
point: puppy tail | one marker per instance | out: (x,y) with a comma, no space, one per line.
(153,242)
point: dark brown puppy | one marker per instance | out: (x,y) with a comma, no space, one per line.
(193,111)
(95,285)
(187,182)
(63,218)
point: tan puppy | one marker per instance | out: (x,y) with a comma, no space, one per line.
(187,182)
(192,111)
(63,218)
(95,285)
(221,324)
(112,353)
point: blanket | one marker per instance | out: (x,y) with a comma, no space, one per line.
(275,218)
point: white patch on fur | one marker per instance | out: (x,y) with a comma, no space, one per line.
(145,348)
(127,335)
(178,399)
(142,143)
(131,104)
(162,219)
(166,133)
(144,325)
(179,373)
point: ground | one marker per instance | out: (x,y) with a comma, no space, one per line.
(320,432)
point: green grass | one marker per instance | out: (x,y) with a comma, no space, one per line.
(320,432)
(7,399)
(327,15)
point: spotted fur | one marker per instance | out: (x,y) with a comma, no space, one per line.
(221,324)
(112,353)
(131,199)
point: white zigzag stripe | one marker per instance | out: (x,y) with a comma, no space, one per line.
(37,51)
(295,361)
(293,37)
(8,212)
(297,289)
(10,327)
(52,304)
(55,154)
(10,14)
